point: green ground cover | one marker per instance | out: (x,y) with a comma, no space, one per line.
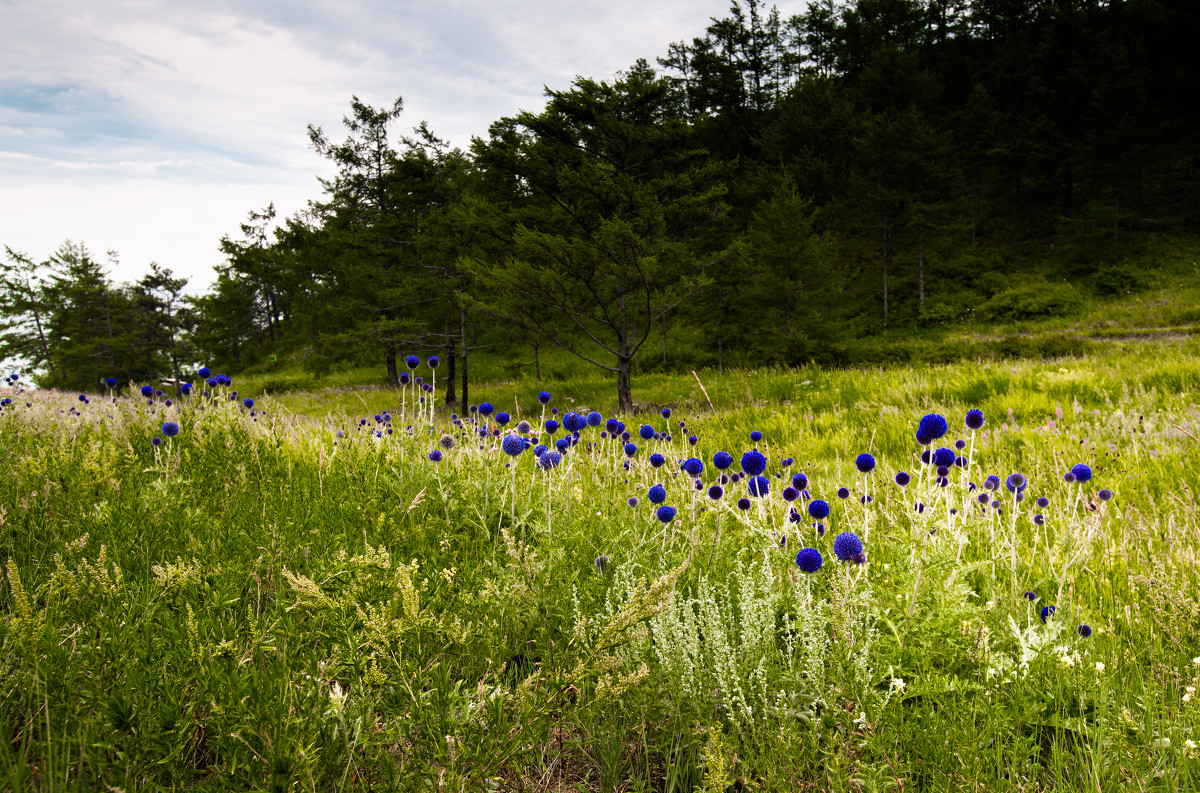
(260,603)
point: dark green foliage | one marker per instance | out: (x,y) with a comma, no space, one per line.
(1033,300)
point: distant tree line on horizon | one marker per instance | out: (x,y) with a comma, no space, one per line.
(772,189)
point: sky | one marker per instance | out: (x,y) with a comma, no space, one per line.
(152,128)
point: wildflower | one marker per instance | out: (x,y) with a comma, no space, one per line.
(657,460)
(412,362)
(848,548)
(549,459)
(433,362)
(446,442)
(743,504)
(1016,482)
(755,436)
(544,397)
(759,486)
(248,403)
(1039,519)
(436,456)
(722,460)
(799,481)
(809,560)
(932,426)
(693,440)
(790,493)
(943,457)
(551,426)
(485,408)
(902,478)
(630,449)
(147,391)
(601,563)
(204,373)
(1046,613)
(657,494)
(574,422)
(753,462)
(818,509)
(715,492)
(632,501)
(1084,630)
(865,463)
(594,419)
(170,429)
(185,389)
(1105,495)
(1030,596)
(1100,667)
(665,514)
(156,441)
(666,413)
(960,444)
(524,427)
(405,378)
(974,418)
(919,508)
(1068,477)
(1082,473)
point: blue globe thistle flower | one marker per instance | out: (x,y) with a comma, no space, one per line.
(716,492)
(753,462)
(433,362)
(540,449)
(632,501)
(544,397)
(563,444)
(1105,495)
(799,481)
(926,457)
(601,563)
(865,499)
(156,441)
(549,459)
(574,422)
(865,463)
(743,504)
(405,379)
(657,494)
(818,509)
(485,408)
(1039,519)
(722,460)
(111,382)
(594,419)
(1084,630)
(204,373)
(1030,596)
(665,514)
(612,426)
(170,429)
(646,431)
(1016,482)
(1046,613)
(524,427)
(943,471)
(446,441)
(512,445)
(412,362)
(553,411)
(974,418)
(919,508)
(786,462)
(759,486)
(933,426)
(960,462)
(1082,472)
(551,426)
(1068,477)
(902,478)
(147,391)
(83,397)
(848,548)
(693,466)
(991,483)
(843,493)
(924,440)
(657,460)
(790,493)
(944,456)
(693,440)
(809,560)
(630,449)
(755,436)
(502,418)
(435,455)
(248,402)
(185,389)
(1043,502)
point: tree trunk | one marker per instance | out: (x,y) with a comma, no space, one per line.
(451,398)
(921,265)
(462,353)
(624,385)
(664,324)
(537,366)
(887,260)
(393,374)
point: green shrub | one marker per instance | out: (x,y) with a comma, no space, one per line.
(1033,301)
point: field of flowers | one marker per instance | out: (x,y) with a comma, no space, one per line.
(963,577)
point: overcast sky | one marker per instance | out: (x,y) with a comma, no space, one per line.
(151,127)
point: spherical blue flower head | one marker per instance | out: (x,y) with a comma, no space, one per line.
(632,501)
(902,478)
(665,514)
(809,560)
(549,459)
(843,493)
(563,444)
(790,493)
(818,509)
(799,481)
(1084,630)
(170,429)
(435,455)
(657,460)
(1030,596)
(185,389)
(759,486)
(743,504)
(147,391)
(960,462)
(933,426)
(693,466)
(927,457)
(1082,472)
(1046,613)
(594,419)
(1016,483)
(693,440)
(716,492)
(524,427)
(847,547)
(156,441)
(226,380)
(722,460)
(924,440)
(1105,495)
(485,408)
(621,429)
(512,445)
(574,422)
(612,426)
(111,382)
(204,373)
(412,362)
(248,402)
(630,449)
(919,507)
(540,449)
(974,418)
(943,471)
(865,463)
(1068,477)
(944,456)
(544,397)
(83,397)
(991,483)
(753,462)
(433,362)
(755,436)
(646,431)
(1039,519)
(551,426)
(404,378)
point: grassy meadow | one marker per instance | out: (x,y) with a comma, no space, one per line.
(294,596)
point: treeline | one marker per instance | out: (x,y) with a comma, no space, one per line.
(770,190)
